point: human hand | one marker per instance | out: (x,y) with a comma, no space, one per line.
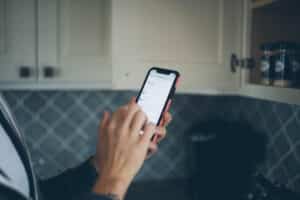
(122,150)
(160,134)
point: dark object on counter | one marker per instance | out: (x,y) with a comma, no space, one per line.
(225,155)
(266,63)
(284,54)
(224,161)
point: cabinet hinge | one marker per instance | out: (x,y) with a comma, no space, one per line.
(244,63)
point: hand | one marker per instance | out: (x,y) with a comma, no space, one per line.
(122,150)
(160,134)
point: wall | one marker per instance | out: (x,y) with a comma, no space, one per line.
(61,129)
(281,122)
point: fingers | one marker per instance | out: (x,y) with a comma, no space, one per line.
(152,149)
(167,118)
(148,133)
(160,132)
(132,109)
(138,122)
(133,99)
(105,120)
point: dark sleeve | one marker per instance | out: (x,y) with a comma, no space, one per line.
(91,196)
(71,184)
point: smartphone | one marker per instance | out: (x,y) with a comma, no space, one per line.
(156,93)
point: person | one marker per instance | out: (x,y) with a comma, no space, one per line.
(121,151)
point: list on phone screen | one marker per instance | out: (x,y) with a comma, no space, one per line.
(155,93)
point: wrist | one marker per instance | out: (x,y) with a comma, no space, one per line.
(111,187)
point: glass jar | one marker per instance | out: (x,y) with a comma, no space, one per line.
(283,53)
(266,63)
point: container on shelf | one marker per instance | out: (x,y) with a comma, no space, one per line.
(283,70)
(266,63)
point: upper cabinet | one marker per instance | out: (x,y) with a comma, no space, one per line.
(218,46)
(17,41)
(55,44)
(271,40)
(195,37)
(112,43)
(74,42)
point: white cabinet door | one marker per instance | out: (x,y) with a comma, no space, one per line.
(74,42)
(17,41)
(195,37)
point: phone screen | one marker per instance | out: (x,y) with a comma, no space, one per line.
(155,93)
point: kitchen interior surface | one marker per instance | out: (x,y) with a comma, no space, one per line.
(236,114)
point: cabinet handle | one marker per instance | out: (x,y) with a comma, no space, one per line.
(25,72)
(246,63)
(49,72)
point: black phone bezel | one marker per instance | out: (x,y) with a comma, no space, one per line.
(172,90)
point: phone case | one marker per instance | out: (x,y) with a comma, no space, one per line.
(168,106)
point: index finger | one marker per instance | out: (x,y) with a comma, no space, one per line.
(167,118)
(133,108)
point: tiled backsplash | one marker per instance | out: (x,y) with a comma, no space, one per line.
(61,129)
(281,122)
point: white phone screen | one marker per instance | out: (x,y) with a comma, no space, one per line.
(155,93)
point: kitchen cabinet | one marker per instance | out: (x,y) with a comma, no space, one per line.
(17,41)
(95,44)
(73,41)
(86,44)
(195,37)
(48,44)
(268,21)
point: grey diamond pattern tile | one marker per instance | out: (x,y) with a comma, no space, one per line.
(273,158)
(67,158)
(282,145)
(64,101)
(35,131)
(279,174)
(272,123)
(60,128)
(293,130)
(35,103)
(64,129)
(292,165)
(50,116)
(23,116)
(78,115)
(47,144)
(283,111)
